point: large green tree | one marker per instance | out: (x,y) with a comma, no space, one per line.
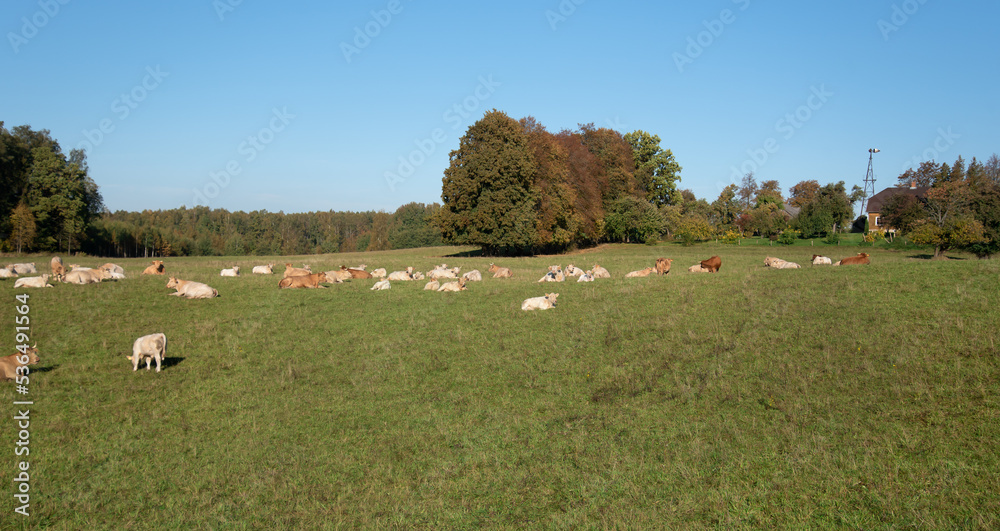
(656,170)
(831,207)
(62,197)
(487,192)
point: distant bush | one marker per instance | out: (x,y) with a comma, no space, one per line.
(788,236)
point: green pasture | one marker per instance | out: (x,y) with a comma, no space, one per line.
(858,397)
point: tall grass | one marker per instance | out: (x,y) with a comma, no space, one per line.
(862,397)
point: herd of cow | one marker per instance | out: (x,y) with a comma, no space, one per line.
(152,347)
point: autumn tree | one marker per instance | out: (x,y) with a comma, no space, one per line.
(22,228)
(557,224)
(656,170)
(803,193)
(487,188)
(748,190)
(769,192)
(948,225)
(726,208)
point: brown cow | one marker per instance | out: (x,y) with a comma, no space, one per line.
(155,269)
(859,259)
(356,273)
(663,266)
(9,364)
(304,281)
(713,264)
(58,270)
(500,272)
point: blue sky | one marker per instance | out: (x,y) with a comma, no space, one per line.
(301,106)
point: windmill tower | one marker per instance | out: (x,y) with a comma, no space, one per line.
(869,181)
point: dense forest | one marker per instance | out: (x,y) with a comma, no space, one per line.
(511,187)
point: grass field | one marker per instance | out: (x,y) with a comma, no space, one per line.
(860,397)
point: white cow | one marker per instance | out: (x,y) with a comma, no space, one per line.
(586,277)
(432,286)
(381,285)
(540,303)
(192,290)
(600,272)
(263,269)
(86,276)
(473,276)
(821,260)
(7,273)
(402,275)
(234,272)
(23,269)
(573,271)
(150,347)
(379,273)
(33,282)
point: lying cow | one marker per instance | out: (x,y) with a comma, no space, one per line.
(155,269)
(698,268)
(86,276)
(500,272)
(379,273)
(778,263)
(586,277)
(713,264)
(821,260)
(540,303)
(191,290)
(33,282)
(263,269)
(234,272)
(442,271)
(453,286)
(381,285)
(600,272)
(23,269)
(304,281)
(432,286)
(58,270)
(117,271)
(296,271)
(9,364)
(640,273)
(338,275)
(555,274)
(402,275)
(858,259)
(573,271)
(356,273)
(7,273)
(663,266)
(473,276)
(150,347)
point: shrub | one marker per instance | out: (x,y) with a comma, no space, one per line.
(788,236)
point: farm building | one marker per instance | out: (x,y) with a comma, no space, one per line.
(875,221)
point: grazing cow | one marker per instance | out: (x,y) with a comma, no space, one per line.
(859,259)
(337,276)
(155,269)
(453,286)
(379,273)
(86,276)
(540,303)
(234,272)
(296,271)
(586,277)
(600,272)
(56,265)
(402,275)
(7,273)
(191,290)
(573,271)
(821,260)
(9,364)
(381,285)
(311,280)
(432,286)
(356,273)
(263,269)
(33,282)
(778,263)
(640,273)
(698,268)
(500,272)
(150,347)
(473,276)
(713,264)
(23,269)
(663,266)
